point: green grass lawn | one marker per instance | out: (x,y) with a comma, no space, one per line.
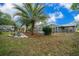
(55,45)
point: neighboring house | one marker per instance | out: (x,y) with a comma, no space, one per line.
(65,28)
(71,27)
(23,28)
(6,28)
(38,28)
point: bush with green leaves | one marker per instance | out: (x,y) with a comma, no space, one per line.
(47,30)
(0,32)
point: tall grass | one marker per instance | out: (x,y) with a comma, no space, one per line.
(59,44)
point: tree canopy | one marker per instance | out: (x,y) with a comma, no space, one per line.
(5,19)
(75,6)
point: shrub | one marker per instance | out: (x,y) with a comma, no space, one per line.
(47,30)
(0,32)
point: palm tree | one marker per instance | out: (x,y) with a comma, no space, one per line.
(31,13)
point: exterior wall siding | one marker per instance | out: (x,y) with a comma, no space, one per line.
(64,29)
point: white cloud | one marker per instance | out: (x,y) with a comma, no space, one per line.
(52,17)
(67,5)
(59,15)
(77,18)
(55,16)
(6,7)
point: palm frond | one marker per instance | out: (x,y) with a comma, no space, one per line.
(22,10)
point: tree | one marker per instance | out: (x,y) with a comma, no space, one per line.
(5,19)
(75,6)
(31,13)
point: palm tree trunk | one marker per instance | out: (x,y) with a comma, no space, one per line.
(33,25)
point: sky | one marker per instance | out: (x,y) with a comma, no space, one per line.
(60,13)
